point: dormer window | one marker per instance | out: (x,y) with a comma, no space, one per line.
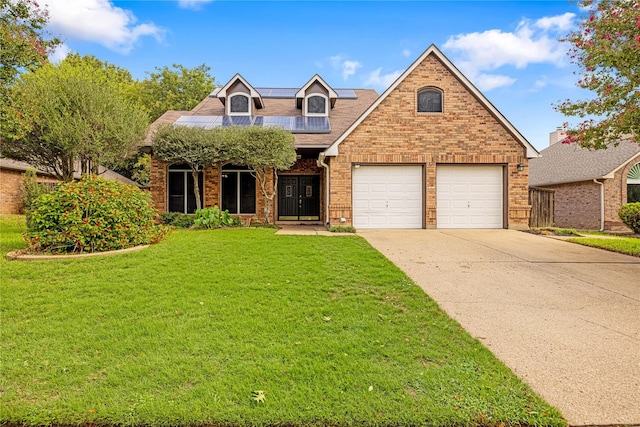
(239,104)
(316,105)
(430,101)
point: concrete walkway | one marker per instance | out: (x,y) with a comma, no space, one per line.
(564,317)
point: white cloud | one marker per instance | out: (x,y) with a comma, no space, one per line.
(487,82)
(346,67)
(382,82)
(406,53)
(99,21)
(540,84)
(60,53)
(492,49)
(193,4)
(349,68)
(560,22)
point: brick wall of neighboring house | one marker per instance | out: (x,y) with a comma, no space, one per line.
(577,205)
(465,133)
(11,190)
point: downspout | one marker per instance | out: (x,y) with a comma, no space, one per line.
(321,163)
(601,203)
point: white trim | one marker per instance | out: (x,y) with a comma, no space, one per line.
(306,105)
(301,92)
(239,113)
(433,50)
(254,94)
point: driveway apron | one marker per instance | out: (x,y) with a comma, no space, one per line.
(564,317)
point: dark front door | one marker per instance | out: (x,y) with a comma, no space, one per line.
(299,198)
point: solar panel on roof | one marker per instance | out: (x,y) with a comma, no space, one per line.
(236,120)
(346,93)
(277,121)
(311,125)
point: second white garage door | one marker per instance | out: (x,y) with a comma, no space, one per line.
(387,196)
(469,197)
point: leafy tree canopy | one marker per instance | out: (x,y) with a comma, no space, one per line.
(70,113)
(176,88)
(606,48)
(24,45)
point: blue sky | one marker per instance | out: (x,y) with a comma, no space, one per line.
(510,50)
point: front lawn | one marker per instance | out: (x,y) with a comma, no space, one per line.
(241,327)
(623,245)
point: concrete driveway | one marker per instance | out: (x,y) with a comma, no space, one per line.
(565,318)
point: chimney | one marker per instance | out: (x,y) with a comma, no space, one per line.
(557,136)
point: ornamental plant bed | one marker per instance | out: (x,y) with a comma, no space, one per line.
(242,327)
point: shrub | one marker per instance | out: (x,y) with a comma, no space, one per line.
(214,218)
(177,219)
(342,229)
(630,215)
(92,215)
(32,189)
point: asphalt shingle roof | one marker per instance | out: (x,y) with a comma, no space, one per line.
(563,163)
(345,112)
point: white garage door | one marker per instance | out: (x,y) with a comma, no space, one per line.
(469,197)
(387,197)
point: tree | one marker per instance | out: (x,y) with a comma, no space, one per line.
(24,45)
(263,150)
(195,146)
(606,48)
(66,114)
(180,88)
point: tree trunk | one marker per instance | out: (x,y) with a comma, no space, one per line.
(196,188)
(267,198)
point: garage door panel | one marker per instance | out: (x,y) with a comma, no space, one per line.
(469,196)
(387,196)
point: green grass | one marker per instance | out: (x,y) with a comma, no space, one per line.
(185,331)
(623,245)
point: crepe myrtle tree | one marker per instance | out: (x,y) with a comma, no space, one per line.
(195,146)
(606,49)
(263,150)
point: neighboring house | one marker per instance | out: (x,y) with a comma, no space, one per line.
(589,185)
(430,152)
(11,182)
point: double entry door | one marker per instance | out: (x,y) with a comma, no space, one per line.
(298,198)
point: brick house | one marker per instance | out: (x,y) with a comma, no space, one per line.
(11,182)
(431,151)
(589,186)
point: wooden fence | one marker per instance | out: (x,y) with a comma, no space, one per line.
(542,207)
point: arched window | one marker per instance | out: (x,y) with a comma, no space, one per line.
(633,184)
(430,101)
(181,197)
(239,104)
(238,190)
(316,105)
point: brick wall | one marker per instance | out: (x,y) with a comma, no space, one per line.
(11,190)
(577,205)
(465,133)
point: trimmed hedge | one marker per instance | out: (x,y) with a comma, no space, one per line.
(630,215)
(92,215)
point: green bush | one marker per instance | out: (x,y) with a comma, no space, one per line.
(32,189)
(177,219)
(214,218)
(342,229)
(630,215)
(92,215)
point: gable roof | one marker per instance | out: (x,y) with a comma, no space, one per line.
(350,105)
(433,50)
(254,94)
(564,163)
(332,93)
